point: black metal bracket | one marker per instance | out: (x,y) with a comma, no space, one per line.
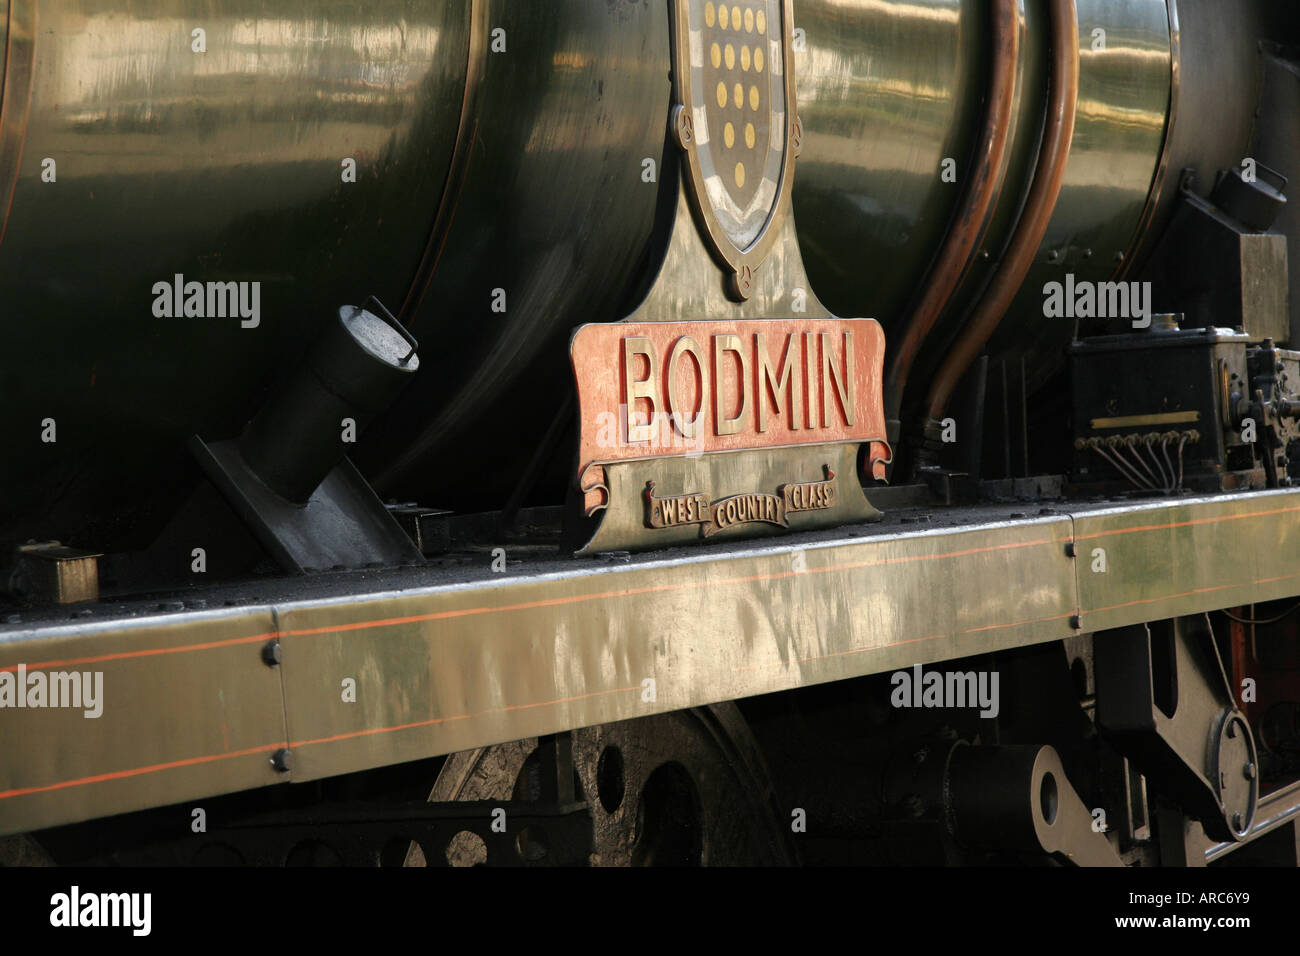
(1163,701)
(343,523)
(1019,798)
(287,476)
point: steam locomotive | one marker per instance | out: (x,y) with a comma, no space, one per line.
(581,410)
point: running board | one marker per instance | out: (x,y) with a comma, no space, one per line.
(230,688)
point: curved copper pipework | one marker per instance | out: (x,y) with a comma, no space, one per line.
(1048,176)
(982,188)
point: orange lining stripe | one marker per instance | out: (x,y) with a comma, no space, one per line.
(1184,524)
(443,720)
(149,652)
(137,771)
(1163,597)
(1170,597)
(530,605)
(370,731)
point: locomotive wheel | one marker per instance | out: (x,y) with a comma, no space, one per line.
(687,788)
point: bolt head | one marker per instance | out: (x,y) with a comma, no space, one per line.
(1250,771)
(282,760)
(271,653)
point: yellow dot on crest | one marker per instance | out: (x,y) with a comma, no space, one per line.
(715,55)
(729,135)
(753,97)
(739,92)
(761,22)
(744,58)
(740,175)
(749,20)
(731,57)
(758,59)
(708,15)
(722,94)
(749,134)
(723,16)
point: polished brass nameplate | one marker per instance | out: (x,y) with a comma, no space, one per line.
(660,389)
(675,511)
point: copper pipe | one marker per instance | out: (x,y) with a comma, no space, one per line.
(1048,176)
(982,187)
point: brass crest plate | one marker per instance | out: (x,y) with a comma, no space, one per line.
(736,124)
